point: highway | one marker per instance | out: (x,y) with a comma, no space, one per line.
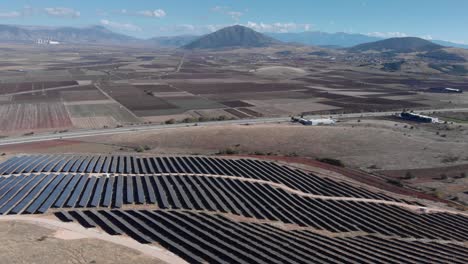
(145,128)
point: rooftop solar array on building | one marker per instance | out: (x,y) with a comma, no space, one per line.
(221,210)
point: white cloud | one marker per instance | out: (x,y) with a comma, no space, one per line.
(121,26)
(188,29)
(226,10)
(278,27)
(220,8)
(235,14)
(158,13)
(62,12)
(11,14)
(388,34)
(427,37)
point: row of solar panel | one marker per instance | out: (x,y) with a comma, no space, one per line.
(208,238)
(37,193)
(247,168)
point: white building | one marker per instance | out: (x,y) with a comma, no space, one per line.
(317,122)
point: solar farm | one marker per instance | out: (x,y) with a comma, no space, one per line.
(231,210)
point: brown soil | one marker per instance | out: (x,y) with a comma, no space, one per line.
(28,243)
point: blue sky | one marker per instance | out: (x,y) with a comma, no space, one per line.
(438,19)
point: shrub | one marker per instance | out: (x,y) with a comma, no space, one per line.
(334,162)
(170,121)
(408,176)
(228,151)
(138,149)
(450,159)
(395,182)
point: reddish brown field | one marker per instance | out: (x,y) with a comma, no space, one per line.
(236,113)
(236,103)
(210,88)
(156,88)
(24,117)
(136,99)
(250,112)
(429,174)
(7,88)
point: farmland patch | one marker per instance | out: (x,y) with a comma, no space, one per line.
(94,122)
(20,117)
(236,103)
(210,88)
(114,110)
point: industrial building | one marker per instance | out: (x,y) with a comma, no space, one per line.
(418,117)
(314,122)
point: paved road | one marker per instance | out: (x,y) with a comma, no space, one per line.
(143,128)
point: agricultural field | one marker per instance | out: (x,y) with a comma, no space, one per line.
(240,84)
(103,109)
(223,210)
(29,117)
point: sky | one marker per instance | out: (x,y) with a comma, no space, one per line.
(430,19)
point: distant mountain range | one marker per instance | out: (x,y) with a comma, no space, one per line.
(93,34)
(102,35)
(317,38)
(229,37)
(340,39)
(175,41)
(398,45)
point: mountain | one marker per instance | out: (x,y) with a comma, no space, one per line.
(340,39)
(398,45)
(92,34)
(173,41)
(317,38)
(230,37)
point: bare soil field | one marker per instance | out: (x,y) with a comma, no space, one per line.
(82,95)
(30,117)
(236,87)
(138,101)
(7,88)
(243,83)
(94,122)
(376,144)
(113,110)
(30,243)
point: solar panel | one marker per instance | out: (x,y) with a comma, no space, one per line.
(68,190)
(32,194)
(86,194)
(108,195)
(22,190)
(119,191)
(129,199)
(77,191)
(98,192)
(48,196)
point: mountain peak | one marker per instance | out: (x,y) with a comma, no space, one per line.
(400,45)
(230,37)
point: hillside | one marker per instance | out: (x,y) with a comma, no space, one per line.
(229,37)
(398,45)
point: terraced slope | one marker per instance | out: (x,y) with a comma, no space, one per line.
(221,210)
